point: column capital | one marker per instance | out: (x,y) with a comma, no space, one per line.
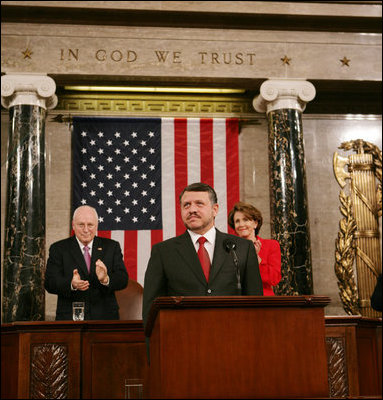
(276,94)
(32,89)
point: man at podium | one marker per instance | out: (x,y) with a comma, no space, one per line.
(202,261)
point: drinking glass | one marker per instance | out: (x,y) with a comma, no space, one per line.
(134,388)
(78,310)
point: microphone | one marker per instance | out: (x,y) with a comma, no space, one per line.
(230,247)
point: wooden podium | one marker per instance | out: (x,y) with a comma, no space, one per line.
(237,347)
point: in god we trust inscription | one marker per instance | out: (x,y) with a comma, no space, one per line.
(163,56)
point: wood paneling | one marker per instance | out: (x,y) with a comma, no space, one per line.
(95,358)
(354,347)
(89,359)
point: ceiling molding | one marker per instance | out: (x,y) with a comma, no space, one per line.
(186,19)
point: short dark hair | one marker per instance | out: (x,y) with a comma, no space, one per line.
(249,211)
(201,187)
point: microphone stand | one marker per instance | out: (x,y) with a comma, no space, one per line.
(235,258)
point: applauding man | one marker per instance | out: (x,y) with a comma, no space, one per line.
(86,268)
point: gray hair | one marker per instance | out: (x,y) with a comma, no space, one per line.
(82,208)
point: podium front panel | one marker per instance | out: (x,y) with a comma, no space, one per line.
(239,353)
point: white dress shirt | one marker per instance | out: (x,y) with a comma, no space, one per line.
(209,244)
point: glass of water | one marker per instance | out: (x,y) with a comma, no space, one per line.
(134,388)
(78,310)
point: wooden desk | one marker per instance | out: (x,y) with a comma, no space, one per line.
(65,359)
(354,352)
(92,359)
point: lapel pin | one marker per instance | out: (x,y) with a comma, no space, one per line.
(99,248)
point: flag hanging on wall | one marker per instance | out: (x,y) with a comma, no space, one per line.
(132,171)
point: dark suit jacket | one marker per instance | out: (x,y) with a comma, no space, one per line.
(100,300)
(174,270)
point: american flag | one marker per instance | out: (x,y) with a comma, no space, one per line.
(132,171)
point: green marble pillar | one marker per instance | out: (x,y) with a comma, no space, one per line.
(27,96)
(284,101)
(288,201)
(24,249)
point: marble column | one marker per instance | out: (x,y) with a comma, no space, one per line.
(27,97)
(284,100)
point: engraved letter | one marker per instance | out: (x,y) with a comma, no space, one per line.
(162,55)
(214,58)
(251,57)
(238,56)
(133,54)
(229,58)
(203,54)
(176,57)
(74,55)
(116,55)
(100,55)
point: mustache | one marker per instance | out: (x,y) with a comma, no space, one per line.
(193,214)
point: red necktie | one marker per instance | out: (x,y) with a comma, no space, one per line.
(203,256)
(87,257)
